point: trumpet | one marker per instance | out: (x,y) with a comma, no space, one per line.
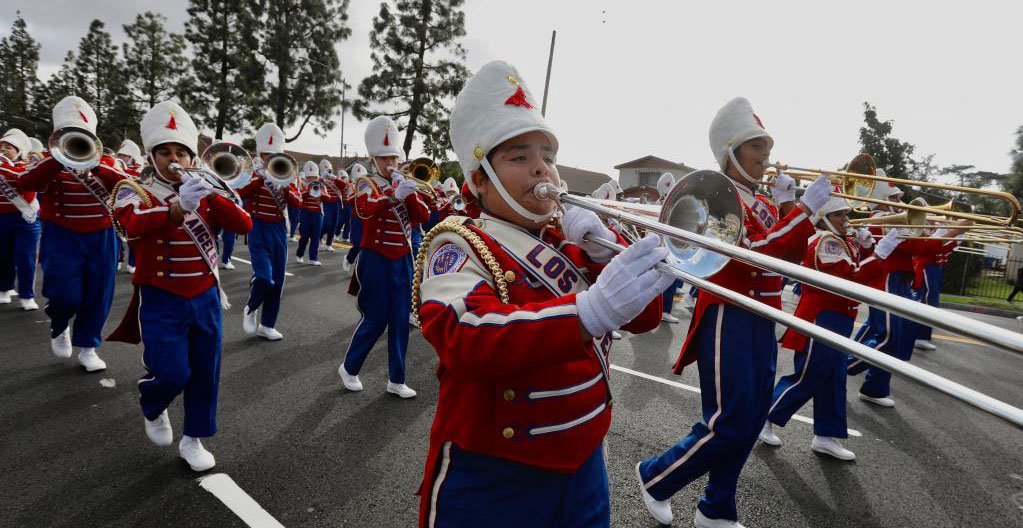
(701,221)
(458,203)
(281,168)
(423,172)
(75,148)
(221,165)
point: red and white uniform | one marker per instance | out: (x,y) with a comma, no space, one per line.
(64,200)
(382,230)
(327,194)
(312,203)
(260,202)
(939,257)
(11,172)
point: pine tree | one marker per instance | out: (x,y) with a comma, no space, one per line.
(46,94)
(226,74)
(19,60)
(890,153)
(418,67)
(155,59)
(101,79)
(297,42)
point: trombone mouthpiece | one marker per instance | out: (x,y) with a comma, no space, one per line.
(545,191)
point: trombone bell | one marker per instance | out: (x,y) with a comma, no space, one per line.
(75,148)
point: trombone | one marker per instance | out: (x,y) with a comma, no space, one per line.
(222,165)
(916,223)
(423,172)
(75,148)
(701,221)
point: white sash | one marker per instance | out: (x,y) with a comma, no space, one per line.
(277,192)
(8,191)
(95,187)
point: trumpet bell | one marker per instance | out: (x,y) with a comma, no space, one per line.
(281,169)
(707,203)
(75,148)
(862,163)
(231,163)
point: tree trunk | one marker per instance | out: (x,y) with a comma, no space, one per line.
(418,85)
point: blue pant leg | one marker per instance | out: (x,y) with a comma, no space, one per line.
(873,334)
(375,305)
(901,336)
(933,276)
(261,248)
(398,327)
(331,212)
(204,342)
(586,501)
(669,296)
(63,273)
(356,239)
(8,232)
(293,219)
(228,238)
(416,240)
(26,246)
(98,293)
(131,255)
(315,221)
(164,319)
(345,223)
(278,244)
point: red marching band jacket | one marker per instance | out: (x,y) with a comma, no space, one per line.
(764,233)
(11,172)
(66,201)
(839,257)
(382,230)
(260,202)
(516,380)
(329,196)
(166,257)
(939,257)
(312,203)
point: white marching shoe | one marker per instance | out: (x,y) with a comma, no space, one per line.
(250,320)
(61,345)
(401,390)
(883,402)
(227,265)
(300,260)
(330,248)
(347,266)
(5,297)
(159,430)
(660,510)
(198,458)
(668,318)
(702,521)
(768,437)
(924,345)
(131,270)
(29,305)
(270,333)
(615,334)
(323,247)
(412,320)
(315,263)
(88,358)
(831,446)
(351,382)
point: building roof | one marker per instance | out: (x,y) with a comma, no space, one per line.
(653,162)
(582,181)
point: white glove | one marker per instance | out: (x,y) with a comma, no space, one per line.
(626,285)
(817,194)
(577,223)
(396,175)
(191,193)
(405,189)
(784,188)
(886,245)
(864,238)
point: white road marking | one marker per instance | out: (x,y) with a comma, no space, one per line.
(249,263)
(108,382)
(696,390)
(248,510)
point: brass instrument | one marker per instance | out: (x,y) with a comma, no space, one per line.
(423,172)
(281,168)
(221,165)
(75,148)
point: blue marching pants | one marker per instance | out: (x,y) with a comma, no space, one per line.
(356,240)
(19,243)
(182,354)
(889,333)
(415,241)
(930,294)
(309,231)
(331,212)
(735,400)
(820,375)
(78,280)
(228,238)
(669,296)
(268,248)
(293,219)
(384,301)
(344,223)
(481,490)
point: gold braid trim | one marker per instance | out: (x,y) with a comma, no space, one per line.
(824,238)
(134,187)
(453,224)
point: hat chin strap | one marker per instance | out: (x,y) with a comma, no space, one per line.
(539,219)
(831,227)
(742,171)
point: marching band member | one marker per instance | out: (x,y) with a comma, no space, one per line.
(267,204)
(358,171)
(664,186)
(176,307)
(37,149)
(389,207)
(295,211)
(519,312)
(19,225)
(130,154)
(311,218)
(735,350)
(819,369)
(331,201)
(928,274)
(344,223)
(78,249)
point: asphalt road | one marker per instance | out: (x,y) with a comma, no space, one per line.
(73,452)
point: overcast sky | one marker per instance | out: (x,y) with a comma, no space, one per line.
(637,77)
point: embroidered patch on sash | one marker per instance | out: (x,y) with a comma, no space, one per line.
(448,257)
(763,214)
(126,196)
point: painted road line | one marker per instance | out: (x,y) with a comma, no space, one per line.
(696,390)
(249,263)
(248,510)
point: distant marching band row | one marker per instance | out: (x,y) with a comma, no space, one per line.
(517,300)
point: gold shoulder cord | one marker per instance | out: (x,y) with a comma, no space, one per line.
(137,189)
(454,225)
(824,238)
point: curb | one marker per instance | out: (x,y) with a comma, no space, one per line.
(981,310)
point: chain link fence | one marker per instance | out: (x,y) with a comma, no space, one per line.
(975,275)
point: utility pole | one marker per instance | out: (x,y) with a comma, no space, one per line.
(342,119)
(547,83)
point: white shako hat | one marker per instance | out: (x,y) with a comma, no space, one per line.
(358,171)
(450,185)
(604,192)
(36,145)
(342,174)
(269,139)
(382,138)
(833,204)
(494,106)
(130,148)
(665,183)
(311,169)
(167,122)
(735,124)
(73,111)
(19,140)
(325,167)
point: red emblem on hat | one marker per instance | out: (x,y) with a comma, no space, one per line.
(172,124)
(387,142)
(519,99)
(86,119)
(759,122)
(271,142)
